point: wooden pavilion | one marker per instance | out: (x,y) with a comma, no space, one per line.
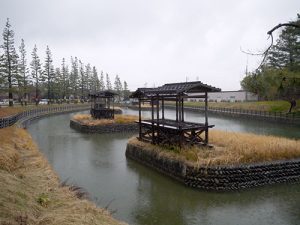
(102,104)
(160,130)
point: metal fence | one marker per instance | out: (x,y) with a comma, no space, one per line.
(248,113)
(31,113)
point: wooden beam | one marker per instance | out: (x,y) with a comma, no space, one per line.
(163,108)
(140,119)
(182,110)
(176,109)
(196,96)
(179,109)
(157,115)
(152,119)
(206,121)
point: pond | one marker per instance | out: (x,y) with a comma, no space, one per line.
(138,195)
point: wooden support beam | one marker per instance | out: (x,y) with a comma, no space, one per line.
(206,120)
(140,119)
(196,96)
(176,109)
(157,115)
(163,108)
(182,110)
(152,119)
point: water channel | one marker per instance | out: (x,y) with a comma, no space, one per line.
(139,195)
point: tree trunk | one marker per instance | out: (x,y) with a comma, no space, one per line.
(293,105)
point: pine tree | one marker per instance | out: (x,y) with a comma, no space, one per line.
(83,81)
(57,84)
(279,78)
(36,71)
(95,79)
(286,52)
(2,72)
(48,74)
(108,83)
(126,92)
(9,61)
(74,77)
(101,82)
(64,79)
(118,87)
(24,72)
(89,80)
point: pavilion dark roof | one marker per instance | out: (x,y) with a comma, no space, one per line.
(103,94)
(175,89)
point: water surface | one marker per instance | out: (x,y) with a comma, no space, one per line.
(142,196)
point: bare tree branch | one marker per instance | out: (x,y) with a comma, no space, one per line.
(270,33)
(248,52)
(283,25)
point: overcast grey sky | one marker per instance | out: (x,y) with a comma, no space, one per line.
(151,41)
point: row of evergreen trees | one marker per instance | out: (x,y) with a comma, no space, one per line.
(17,78)
(279,76)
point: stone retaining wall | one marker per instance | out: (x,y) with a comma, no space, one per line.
(223,178)
(108,128)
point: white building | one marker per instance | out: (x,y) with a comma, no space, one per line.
(230,96)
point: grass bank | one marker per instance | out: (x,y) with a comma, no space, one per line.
(230,148)
(8,111)
(269,106)
(86,119)
(31,193)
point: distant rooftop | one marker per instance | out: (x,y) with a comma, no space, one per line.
(103,94)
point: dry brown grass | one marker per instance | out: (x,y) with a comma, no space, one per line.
(86,119)
(7,111)
(31,192)
(231,149)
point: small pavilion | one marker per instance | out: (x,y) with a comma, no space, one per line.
(102,104)
(161,130)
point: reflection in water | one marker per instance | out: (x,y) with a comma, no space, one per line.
(233,124)
(179,205)
(142,196)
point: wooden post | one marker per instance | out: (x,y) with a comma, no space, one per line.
(206,121)
(113,103)
(179,110)
(176,109)
(157,115)
(152,119)
(163,108)
(182,110)
(140,119)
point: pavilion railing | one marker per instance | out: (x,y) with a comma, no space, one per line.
(31,113)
